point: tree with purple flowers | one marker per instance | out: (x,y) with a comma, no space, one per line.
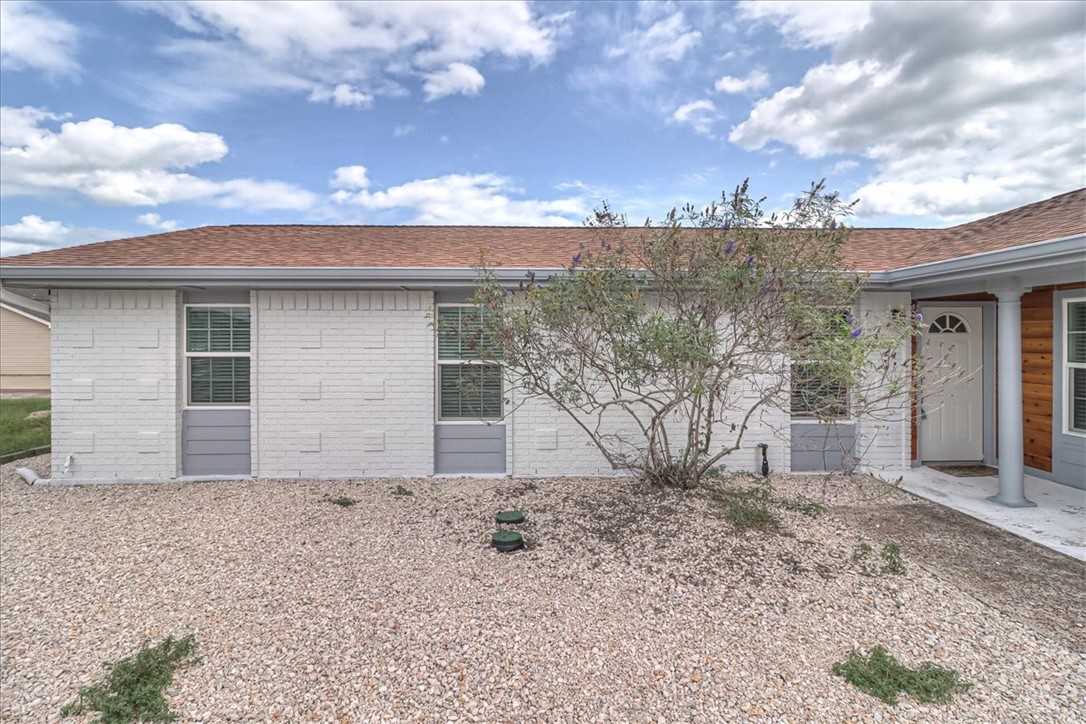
(667,342)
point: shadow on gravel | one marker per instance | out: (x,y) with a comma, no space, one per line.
(1031,583)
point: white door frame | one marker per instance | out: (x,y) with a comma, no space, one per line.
(928,308)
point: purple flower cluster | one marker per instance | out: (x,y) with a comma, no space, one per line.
(855,334)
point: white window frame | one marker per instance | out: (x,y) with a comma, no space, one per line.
(1068,365)
(440,362)
(186,372)
(846,418)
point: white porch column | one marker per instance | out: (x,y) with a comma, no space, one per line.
(1009,369)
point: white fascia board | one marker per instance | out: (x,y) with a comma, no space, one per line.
(23,313)
(1050,261)
(256,277)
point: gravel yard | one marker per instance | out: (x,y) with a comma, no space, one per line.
(632,605)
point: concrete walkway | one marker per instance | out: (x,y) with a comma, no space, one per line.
(1058,522)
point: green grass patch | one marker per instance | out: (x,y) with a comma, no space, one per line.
(809,508)
(891,559)
(343,501)
(132,691)
(747,508)
(892,562)
(883,677)
(751,508)
(16,432)
(401,490)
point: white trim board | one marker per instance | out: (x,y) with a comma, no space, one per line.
(28,315)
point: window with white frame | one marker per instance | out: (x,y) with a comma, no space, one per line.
(217,354)
(469,384)
(1074,363)
(816,394)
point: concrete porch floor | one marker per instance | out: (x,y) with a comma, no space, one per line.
(1058,522)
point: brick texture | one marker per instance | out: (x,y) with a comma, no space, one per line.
(344,384)
(115,385)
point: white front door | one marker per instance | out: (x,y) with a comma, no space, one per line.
(952,399)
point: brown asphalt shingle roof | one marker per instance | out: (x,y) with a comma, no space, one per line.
(523,247)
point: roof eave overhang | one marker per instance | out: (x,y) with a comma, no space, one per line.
(1054,261)
(142,277)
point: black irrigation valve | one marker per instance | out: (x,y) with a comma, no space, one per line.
(507,541)
(504,540)
(764,449)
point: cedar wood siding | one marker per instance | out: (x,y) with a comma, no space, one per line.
(1037,350)
(24,353)
(1038,347)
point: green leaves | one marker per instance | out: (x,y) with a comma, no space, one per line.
(882,676)
(133,689)
(694,322)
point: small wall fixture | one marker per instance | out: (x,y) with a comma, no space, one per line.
(763,450)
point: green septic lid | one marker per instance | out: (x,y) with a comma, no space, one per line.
(506,536)
(510,516)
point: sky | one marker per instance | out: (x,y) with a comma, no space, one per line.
(125,119)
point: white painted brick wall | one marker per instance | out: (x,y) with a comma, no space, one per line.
(883,440)
(344,384)
(536,425)
(115,385)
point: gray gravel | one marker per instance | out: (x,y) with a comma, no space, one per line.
(632,605)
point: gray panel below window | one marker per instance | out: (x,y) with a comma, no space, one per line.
(1069,460)
(215,442)
(819,447)
(469,449)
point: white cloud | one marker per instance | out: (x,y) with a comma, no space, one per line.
(809,24)
(458,78)
(756,80)
(33,233)
(958,124)
(368,49)
(32,36)
(156,222)
(342,95)
(19,126)
(699,115)
(351,178)
(483,199)
(668,39)
(122,166)
(641,52)
(844,166)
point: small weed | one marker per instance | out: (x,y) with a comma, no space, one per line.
(882,676)
(343,501)
(863,550)
(891,559)
(132,691)
(401,490)
(809,508)
(747,509)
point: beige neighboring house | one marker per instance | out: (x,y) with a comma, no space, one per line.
(24,344)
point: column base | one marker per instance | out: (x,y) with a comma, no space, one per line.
(1012,502)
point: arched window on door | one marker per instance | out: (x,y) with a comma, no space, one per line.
(948,324)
